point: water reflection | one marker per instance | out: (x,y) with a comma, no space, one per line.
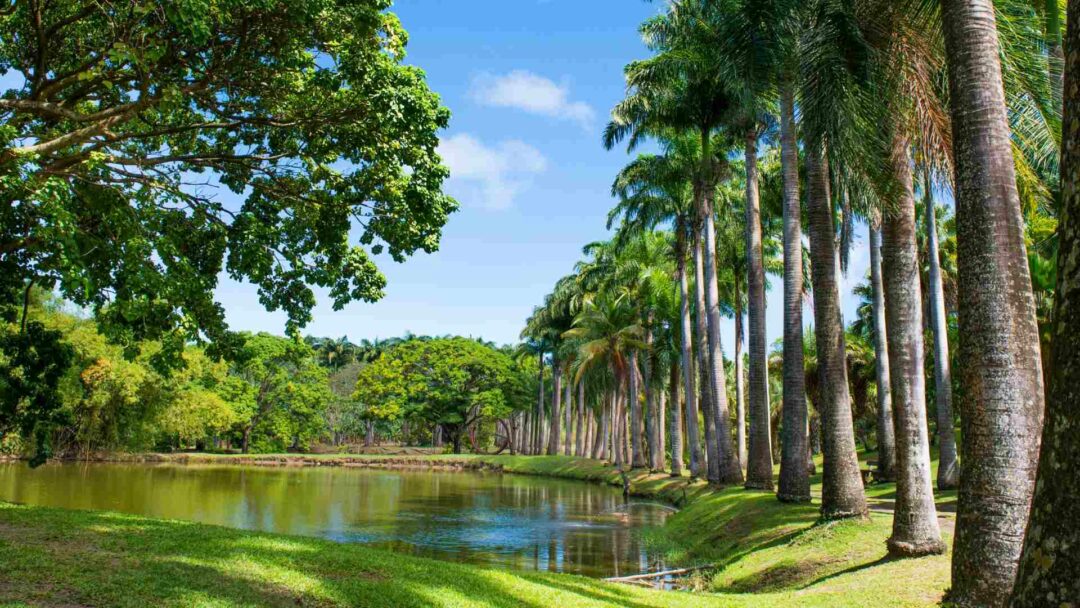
(504,520)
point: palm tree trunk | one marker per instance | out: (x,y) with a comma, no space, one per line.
(1001,376)
(556,409)
(706,397)
(794,468)
(1051,559)
(579,428)
(948,470)
(650,397)
(842,490)
(686,360)
(568,407)
(915,526)
(727,463)
(740,395)
(633,395)
(886,435)
(537,437)
(675,423)
(659,424)
(759,466)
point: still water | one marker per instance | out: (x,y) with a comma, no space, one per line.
(484,518)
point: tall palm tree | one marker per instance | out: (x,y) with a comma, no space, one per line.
(749,45)
(681,88)
(886,434)
(1050,561)
(842,491)
(948,476)
(653,190)
(609,331)
(999,342)
(915,525)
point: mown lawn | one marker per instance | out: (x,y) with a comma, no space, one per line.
(768,554)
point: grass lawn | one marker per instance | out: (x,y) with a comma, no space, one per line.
(769,555)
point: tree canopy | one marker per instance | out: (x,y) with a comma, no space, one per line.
(452,382)
(128,120)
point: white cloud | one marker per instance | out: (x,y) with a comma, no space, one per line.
(490,176)
(531,93)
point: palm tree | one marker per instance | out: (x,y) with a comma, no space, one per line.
(915,525)
(750,46)
(886,435)
(1050,560)
(680,88)
(654,190)
(609,331)
(842,491)
(948,476)
(999,341)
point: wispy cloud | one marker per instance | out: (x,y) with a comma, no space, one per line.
(490,176)
(531,93)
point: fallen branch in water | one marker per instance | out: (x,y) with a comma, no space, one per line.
(640,577)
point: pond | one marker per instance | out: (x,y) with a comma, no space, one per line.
(510,521)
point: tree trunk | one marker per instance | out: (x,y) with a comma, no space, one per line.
(886,435)
(759,466)
(794,468)
(568,415)
(948,476)
(538,435)
(650,397)
(675,422)
(660,401)
(1051,556)
(686,361)
(728,469)
(633,395)
(246,443)
(915,526)
(705,393)
(842,490)
(579,428)
(740,395)
(1001,375)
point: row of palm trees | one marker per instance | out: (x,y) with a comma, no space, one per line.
(776,120)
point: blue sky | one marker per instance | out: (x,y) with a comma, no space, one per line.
(529,83)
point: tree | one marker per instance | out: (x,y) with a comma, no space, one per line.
(886,434)
(609,333)
(280,392)
(1050,561)
(680,89)
(842,491)
(1002,399)
(915,525)
(122,120)
(451,382)
(948,476)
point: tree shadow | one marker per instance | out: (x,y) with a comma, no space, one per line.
(91,558)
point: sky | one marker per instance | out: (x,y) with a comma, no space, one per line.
(530,84)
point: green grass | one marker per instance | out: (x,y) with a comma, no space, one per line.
(768,554)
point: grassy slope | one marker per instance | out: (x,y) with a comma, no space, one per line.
(59,557)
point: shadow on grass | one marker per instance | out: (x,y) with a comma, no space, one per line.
(91,558)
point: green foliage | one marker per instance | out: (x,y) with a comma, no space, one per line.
(281,394)
(452,382)
(303,108)
(31,364)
